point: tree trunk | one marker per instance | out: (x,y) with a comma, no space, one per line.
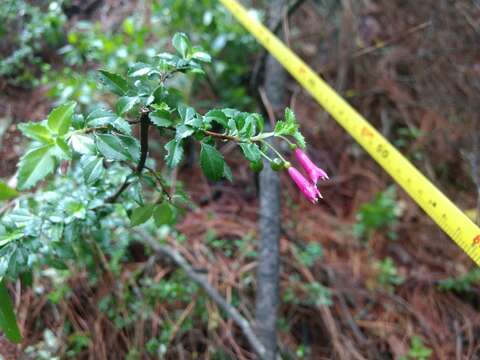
(267,297)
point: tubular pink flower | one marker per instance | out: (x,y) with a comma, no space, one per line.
(312,170)
(306,187)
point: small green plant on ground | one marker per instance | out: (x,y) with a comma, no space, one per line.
(380,214)
(309,254)
(303,351)
(314,293)
(388,276)
(461,284)
(418,350)
(405,137)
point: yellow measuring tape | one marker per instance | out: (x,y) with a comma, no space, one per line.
(450,218)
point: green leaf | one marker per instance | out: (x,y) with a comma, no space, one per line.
(183,131)
(259,122)
(163,214)
(57,264)
(34,166)
(83,144)
(300,139)
(174,153)
(248,129)
(8,322)
(122,125)
(252,124)
(284,128)
(195,122)
(290,127)
(186,112)
(111,147)
(189,116)
(92,167)
(114,82)
(62,150)
(181,43)
(132,146)
(240,119)
(194,68)
(36,131)
(230,113)
(232,127)
(128,26)
(139,69)
(5,239)
(171,97)
(201,56)
(100,117)
(290,116)
(125,104)
(141,214)
(218,116)
(6,192)
(160,118)
(212,163)
(26,278)
(251,152)
(166,56)
(227,172)
(60,118)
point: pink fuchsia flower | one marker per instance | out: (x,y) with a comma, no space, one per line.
(306,187)
(312,170)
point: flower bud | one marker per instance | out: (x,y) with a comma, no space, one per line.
(277,164)
(308,189)
(256,166)
(314,172)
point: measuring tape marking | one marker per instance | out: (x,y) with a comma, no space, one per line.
(448,217)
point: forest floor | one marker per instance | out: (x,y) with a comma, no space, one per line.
(415,71)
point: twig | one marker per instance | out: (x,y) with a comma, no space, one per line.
(180,320)
(328,319)
(268,107)
(221,136)
(275,29)
(159,181)
(112,199)
(144,124)
(291,9)
(233,313)
(173,180)
(93,129)
(286,28)
(7,206)
(382,44)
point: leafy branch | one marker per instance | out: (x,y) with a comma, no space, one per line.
(46,227)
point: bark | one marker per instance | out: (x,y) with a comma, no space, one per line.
(267,297)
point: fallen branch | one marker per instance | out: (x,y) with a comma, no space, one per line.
(233,313)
